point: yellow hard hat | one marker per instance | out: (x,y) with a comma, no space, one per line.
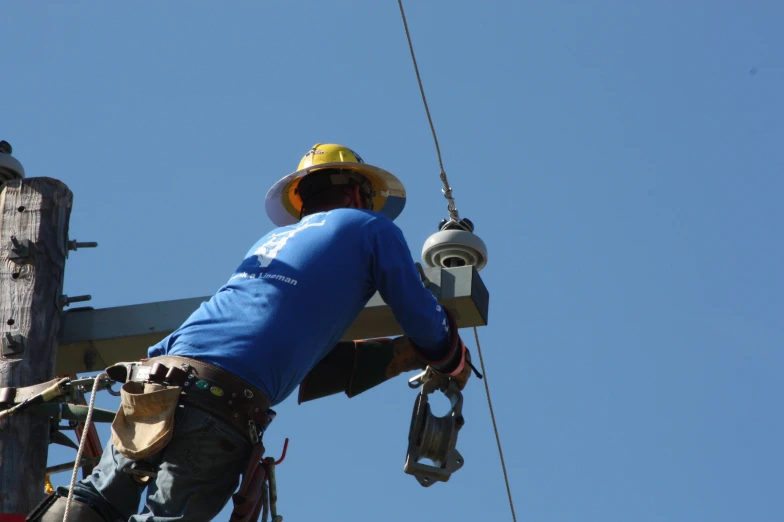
(284,204)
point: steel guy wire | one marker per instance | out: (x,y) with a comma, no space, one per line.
(454,217)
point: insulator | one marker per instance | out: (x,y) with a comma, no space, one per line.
(452,248)
(10,168)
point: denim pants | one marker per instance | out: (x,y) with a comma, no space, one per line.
(198,471)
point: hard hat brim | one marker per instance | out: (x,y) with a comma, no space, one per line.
(283,204)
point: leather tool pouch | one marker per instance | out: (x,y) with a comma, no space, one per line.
(144,423)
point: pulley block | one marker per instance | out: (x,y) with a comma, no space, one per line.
(432,437)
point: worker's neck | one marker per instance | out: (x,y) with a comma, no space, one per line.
(327,208)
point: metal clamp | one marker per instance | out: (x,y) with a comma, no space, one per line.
(21,252)
(12,344)
(86,385)
(432,437)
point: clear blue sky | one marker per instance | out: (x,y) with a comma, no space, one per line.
(622,160)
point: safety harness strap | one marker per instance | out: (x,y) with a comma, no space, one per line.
(249,496)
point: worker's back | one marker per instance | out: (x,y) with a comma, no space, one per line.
(297,291)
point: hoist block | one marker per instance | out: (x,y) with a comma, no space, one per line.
(431,437)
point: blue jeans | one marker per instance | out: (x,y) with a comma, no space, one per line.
(198,471)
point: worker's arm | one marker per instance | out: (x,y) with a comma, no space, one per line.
(431,331)
(430,327)
(353,367)
(395,276)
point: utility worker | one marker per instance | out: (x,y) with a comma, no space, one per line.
(192,413)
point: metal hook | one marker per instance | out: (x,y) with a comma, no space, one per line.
(418,380)
(283,455)
(111,391)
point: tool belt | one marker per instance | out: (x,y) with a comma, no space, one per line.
(204,386)
(228,397)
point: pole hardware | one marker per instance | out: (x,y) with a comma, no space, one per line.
(75,245)
(66,300)
(21,252)
(13,344)
(10,168)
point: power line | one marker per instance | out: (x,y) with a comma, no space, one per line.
(447,190)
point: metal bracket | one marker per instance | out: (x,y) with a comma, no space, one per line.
(85,385)
(432,437)
(58,437)
(76,245)
(67,300)
(13,344)
(21,252)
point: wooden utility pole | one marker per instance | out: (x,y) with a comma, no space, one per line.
(34,220)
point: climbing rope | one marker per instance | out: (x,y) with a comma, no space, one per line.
(82,444)
(447,190)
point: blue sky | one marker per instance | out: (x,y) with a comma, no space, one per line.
(621,160)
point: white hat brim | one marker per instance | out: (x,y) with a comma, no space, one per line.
(389,201)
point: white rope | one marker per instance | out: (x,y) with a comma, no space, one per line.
(82,442)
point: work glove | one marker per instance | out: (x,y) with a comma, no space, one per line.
(457,367)
(354,367)
(457,363)
(404,358)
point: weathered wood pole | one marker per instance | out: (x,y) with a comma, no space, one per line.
(34,220)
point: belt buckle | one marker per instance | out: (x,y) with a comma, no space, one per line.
(139,373)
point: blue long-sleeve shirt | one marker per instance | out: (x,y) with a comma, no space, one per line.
(298,290)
